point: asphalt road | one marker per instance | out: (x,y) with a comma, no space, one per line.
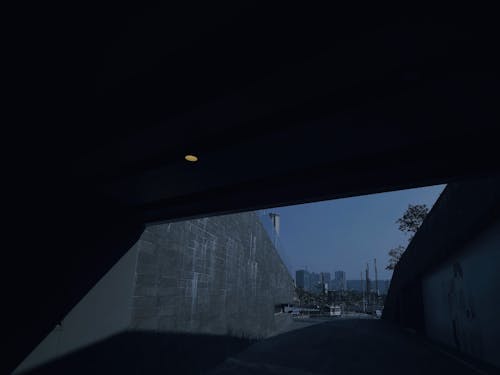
(345,346)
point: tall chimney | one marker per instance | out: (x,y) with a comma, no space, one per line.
(275,218)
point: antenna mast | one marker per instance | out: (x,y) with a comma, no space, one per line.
(367,283)
(363,290)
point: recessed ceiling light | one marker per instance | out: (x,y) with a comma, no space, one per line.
(191,158)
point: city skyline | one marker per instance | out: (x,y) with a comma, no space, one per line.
(314,281)
(334,271)
(345,234)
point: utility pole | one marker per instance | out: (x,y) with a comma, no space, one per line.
(376,277)
(363,291)
(367,283)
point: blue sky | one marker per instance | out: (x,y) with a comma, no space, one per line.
(344,234)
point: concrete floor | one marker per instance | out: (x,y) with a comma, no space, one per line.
(344,346)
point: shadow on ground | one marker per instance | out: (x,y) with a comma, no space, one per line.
(350,346)
(343,346)
(148,353)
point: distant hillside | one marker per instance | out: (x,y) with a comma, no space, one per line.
(383,285)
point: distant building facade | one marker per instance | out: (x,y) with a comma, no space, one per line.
(303,280)
(322,282)
(340,281)
(315,282)
(326,281)
(360,285)
(312,282)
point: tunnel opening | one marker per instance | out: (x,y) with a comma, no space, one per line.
(197,295)
(215,293)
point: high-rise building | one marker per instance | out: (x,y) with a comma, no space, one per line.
(303,280)
(315,283)
(319,282)
(325,277)
(326,281)
(340,280)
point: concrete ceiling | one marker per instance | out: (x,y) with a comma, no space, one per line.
(264,95)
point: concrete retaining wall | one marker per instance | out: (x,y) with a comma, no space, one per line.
(461,299)
(103,312)
(218,275)
(446,285)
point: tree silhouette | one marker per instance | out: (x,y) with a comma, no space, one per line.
(412,219)
(409,223)
(394,256)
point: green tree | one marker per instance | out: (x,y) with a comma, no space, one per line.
(409,223)
(394,256)
(412,219)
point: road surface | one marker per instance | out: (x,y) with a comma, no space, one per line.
(345,346)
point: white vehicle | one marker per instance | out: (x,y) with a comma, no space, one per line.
(335,311)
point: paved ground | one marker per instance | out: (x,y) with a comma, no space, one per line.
(344,346)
